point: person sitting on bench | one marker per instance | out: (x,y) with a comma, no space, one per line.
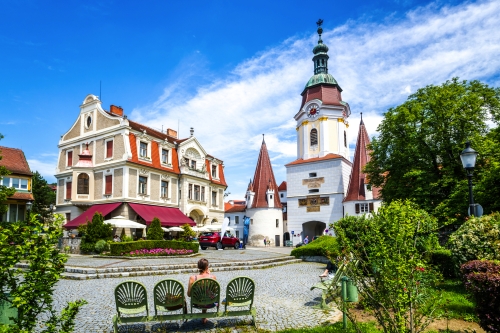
(204,274)
(330,270)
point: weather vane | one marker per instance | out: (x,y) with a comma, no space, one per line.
(319,23)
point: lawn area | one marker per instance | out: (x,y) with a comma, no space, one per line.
(455,303)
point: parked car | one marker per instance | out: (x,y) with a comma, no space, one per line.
(213,239)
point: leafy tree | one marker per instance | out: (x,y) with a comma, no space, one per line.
(5,192)
(392,273)
(44,196)
(155,232)
(31,288)
(417,154)
(188,232)
(94,231)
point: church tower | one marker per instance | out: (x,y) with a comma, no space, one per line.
(361,198)
(317,180)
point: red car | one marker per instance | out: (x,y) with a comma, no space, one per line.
(212,239)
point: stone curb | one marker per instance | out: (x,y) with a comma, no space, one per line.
(99,274)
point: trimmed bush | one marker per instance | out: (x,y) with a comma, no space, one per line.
(94,231)
(476,239)
(482,279)
(101,246)
(442,260)
(117,249)
(324,246)
(155,232)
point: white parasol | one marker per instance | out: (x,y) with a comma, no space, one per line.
(122,222)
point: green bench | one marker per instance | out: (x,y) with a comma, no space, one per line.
(329,286)
(170,302)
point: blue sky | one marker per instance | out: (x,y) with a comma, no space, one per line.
(231,69)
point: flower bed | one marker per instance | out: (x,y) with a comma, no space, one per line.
(157,252)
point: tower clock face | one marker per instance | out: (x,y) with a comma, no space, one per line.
(312,110)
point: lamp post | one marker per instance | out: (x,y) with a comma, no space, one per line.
(29,204)
(468,157)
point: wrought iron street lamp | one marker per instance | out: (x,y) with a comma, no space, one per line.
(29,205)
(468,157)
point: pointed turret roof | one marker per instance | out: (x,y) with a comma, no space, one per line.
(358,179)
(262,179)
(85,158)
(250,186)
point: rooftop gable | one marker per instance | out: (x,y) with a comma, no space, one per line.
(13,159)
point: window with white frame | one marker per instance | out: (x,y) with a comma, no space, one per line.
(190,191)
(193,164)
(109,149)
(17,183)
(108,185)
(14,213)
(143,185)
(164,189)
(164,156)
(237,234)
(314,137)
(364,208)
(202,195)
(236,220)
(197,192)
(143,149)
(214,198)
(214,171)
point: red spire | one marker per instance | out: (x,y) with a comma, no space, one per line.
(263,178)
(358,179)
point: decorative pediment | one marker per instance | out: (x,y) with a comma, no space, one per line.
(143,171)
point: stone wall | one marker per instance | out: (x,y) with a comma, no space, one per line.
(73,243)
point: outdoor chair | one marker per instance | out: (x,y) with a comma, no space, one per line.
(168,297)
(131,303)
(240,293)
(205,294)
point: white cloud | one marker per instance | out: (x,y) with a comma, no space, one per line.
(376,64)
(46,169)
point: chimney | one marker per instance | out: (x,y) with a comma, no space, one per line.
(118,110)
(172,133)
(231,202)
(191,131)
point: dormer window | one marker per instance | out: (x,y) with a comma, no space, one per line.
(164,156)
(193,164)
(214,171)
(143,149)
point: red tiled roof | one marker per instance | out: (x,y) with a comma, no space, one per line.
(356,190)
(235,208)
(315,159)
(155,156)
(22,196)
(282,186)
(151,131)
(14,160)
(221,180)
(261,179)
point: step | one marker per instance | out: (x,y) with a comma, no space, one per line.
(117,274)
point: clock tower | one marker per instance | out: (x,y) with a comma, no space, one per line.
(322,126)
(318,179)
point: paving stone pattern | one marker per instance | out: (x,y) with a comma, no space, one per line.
(282,297)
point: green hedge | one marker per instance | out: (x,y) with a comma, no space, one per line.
(121,247)
(324,246)
(442,260)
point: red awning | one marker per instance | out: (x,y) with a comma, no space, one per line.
(104,209)
(169,217)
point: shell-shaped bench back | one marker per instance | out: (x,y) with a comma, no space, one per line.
(168,293)
(131,298)
(205,292)
(240,290)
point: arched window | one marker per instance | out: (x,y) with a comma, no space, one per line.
(345,139)
(83,184)
(314,137)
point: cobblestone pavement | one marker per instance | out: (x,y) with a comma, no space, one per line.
(282,298)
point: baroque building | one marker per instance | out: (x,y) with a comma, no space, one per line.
(111,164)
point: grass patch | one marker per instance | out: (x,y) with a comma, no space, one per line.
(335,327)
(455,303)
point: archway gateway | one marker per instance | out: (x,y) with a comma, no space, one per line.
(197,216)
(313,228)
